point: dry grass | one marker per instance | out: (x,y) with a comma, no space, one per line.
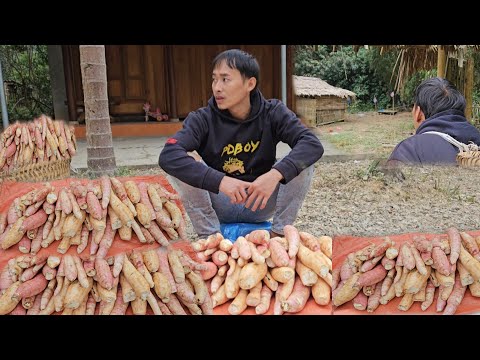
(369,133)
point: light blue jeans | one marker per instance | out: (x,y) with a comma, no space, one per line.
(207,210)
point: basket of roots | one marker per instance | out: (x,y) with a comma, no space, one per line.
(38,150)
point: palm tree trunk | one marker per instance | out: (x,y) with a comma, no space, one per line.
(100,154)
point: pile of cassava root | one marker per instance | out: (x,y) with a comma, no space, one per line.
(254,267)
(376,274)
(91,213)
(43,284)
(40,140)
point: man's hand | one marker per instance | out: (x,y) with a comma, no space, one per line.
(262,188)
(234,189)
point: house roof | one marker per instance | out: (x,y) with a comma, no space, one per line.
(311,86)
(412,58)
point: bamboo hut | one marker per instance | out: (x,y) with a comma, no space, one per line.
(318,102)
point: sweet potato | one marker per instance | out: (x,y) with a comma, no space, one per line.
(465,277)
(200,288)
(14,235)
(313,260)
(469,262)
(8,301)
(254,295)
(143,214)
(407,256)
(455,244)
(75,207)
(122,210)
(175,307)
(252,274)
(239,304)
(429,295)
(35,308)
(455,298)
(232,286)
(106,190)
(265,296)
(243,248)
(387,282)
(175,213)
(293,239)
(326,244)
(321,292)
(139,306)
(277,253)
(370,264)
(76,294)
(176,267)
(347,291)
(259,237)
(371,277)
(387,263)
(360,301)
(106,241)
(374,300)
(440,261)
(307,275)
(416,281)
(419,264)
(154,198)
(283,274)
(207,306)
(30,287)
(132,190)
(219,297)
(185,293)
(220,258)
(164,268)
(128,294)
(309,241)
(125,233)
(162,286)
(136,279)
(115,221)
(270,281)
(157,234)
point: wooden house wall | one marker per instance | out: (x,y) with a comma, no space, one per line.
(175,78)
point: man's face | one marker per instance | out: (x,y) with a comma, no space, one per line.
(229,87)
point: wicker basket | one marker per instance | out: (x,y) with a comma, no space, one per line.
(469,158)
(43,171)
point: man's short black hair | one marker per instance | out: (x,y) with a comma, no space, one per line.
(244,62)
(436,95)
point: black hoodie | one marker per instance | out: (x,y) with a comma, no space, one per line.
(432,149)
(240,149)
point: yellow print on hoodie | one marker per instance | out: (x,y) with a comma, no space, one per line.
(232,165)
(231,149)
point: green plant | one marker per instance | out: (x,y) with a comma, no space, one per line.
(27,79)
(123,171)
(372,171)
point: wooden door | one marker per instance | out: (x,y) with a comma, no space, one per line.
(188,78)
(127,78)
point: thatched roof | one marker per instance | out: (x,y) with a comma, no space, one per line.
(311,86)
(412,58)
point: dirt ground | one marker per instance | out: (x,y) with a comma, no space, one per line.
(368,133)
(355,198)
(347,200)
